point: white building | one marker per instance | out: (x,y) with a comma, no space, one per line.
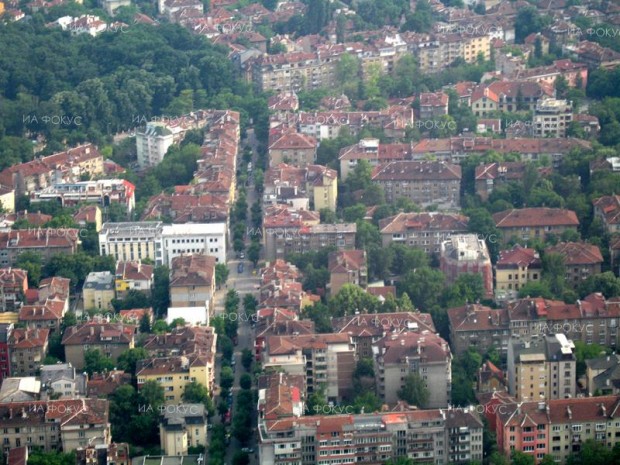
(195,316)
(152,144)
(129,241)
(552,118)
(179,239)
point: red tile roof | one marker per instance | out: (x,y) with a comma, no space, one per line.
(577,253)
(535,217)
(520,257)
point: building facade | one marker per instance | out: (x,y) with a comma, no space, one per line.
(466,254)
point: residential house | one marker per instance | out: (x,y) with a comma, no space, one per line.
(114,453)
(490,378)
(373,152)
(425,183)
(98,290)
(183,427)
(542,368)
(187,208)
(101,385)
(347,267)
(133,275)
(27,350)
(534,223)
(581,260)
(424,230)
(277,322)
(281,396)
(55,425)
(425,354)
(466,254)
(325,359)
(607,209)
(514,269)
(489,175)
(13,287)
(508,96)
(480,327)
(111,339)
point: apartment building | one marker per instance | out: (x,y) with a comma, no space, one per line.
(581,260)
(27,349)
(466,254)
(130,241)
(68,166)
(422,353)
(526,224)
(133,275)
(373,152)
(603,375)
(192,281)
(424,230)
(181,239)
(155,139)
(173,373)
(103,192)
(479,327)
(286,184)
(440,436)
(55,425)
(576,74)
(514,269)
(47,242)
(187,208)
(542,368)
(13,287)
(347,267)
(294,148)
(425,183)
(196,343)
(98,291)
(433,105)
(558,427)
(5,358)
(87,215)
(285,232)
(113,453)
(552,117)
(183,427)
(111,339)
(325,359)
(508,96)
(47,314)
(489,175)
(366,329)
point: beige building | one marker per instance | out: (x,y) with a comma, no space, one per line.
(325,359)
(424,230)
(99,290)
(48,242)
(542,368)
(130,241)
(89,214)
(55,425)
(581,260)
(192,281)
(347,267)
(552,118)
(479,327)
(514,269)
(425,354)
(294,148)
(526,224)
(182,427)
(111,339)
(27,350)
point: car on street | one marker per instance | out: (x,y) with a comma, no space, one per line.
(247,450)
(241,255)
(240,268)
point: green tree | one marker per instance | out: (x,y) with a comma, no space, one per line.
(221,274)
(32,263)
(160,297)
(196,393)
(414,391)
(128,360)
(254,252)
(38,457)
(585,352)
(95,361)
(245,381)
(247,358)
(521,458)
(227,378)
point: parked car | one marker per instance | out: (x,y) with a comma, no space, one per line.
(240,268)
(241,255)
(247,450)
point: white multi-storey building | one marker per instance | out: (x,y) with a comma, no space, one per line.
(180,239)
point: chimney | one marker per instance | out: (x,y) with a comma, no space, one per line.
(569,412)
(92,330)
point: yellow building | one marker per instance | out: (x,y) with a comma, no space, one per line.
(1,8)
(98,290)
(324,188)
(173,373)
(514,269)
